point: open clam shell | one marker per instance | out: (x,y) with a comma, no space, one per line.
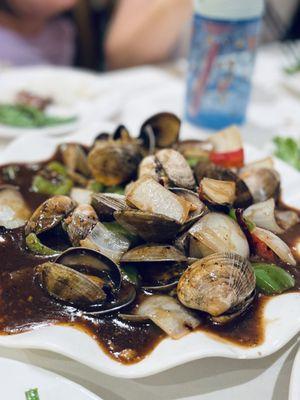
(149,226)
(217,284)
(159,266)
(263,183)
(208,170)
(161,130)
(49,214)
(105,204)
(87,280)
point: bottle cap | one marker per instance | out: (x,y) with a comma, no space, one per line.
(229,9)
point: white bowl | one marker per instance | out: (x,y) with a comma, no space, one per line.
(282,313)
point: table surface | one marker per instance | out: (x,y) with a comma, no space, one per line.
(147,90)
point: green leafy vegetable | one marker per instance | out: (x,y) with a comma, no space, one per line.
(288,149)
(45,186)
(57,167)
(95,186)
(271,279)
(131,274)
(32,394)
(23,116)
(37,247)
(118,229)
(250,224)
(293,69)
(53,180)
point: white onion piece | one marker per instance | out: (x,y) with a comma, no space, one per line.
(227,140)
(279,247)
(168,314)
(81,196)
(263,215)
(217,191)
(13,209)
(216,233)
(111,244)
(286,218)
(148,195)
(267,162)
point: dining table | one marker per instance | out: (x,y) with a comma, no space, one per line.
(273,110)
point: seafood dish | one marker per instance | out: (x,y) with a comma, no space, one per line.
(138,238)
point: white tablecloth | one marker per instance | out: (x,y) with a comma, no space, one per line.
(273,110)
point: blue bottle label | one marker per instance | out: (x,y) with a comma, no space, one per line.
(220,67)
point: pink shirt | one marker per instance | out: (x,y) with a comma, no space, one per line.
(54,45)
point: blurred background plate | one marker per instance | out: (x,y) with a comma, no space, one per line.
(77,93)
(17,378)
(294,393)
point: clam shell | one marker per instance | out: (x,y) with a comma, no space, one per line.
(263,183)
(49,214)
(164,128)
(176,168)
(207,170)
(151,227)
(105,204)
(68,285)
(153,253)
(216,283)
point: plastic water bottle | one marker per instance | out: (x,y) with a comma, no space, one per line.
(223,47)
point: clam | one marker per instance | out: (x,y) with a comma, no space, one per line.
(148,195)
(176,168)
(74,158)
(217,193)
(70,286)
(80,222)
(219,284)
(149,226)
(121,133)
(216,232)
(49,214)
(207,170)
(114,162)
(149,166)
(263,183)
(86,280)
(105,204)
(14,211)
(160,266)
(161,130)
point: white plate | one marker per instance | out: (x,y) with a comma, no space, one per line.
(282,313)
(294,392)
(18,377)
(76,92)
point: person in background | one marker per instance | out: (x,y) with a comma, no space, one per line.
(110,34)
(32,32)
(147,31)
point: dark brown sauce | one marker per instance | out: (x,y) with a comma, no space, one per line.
(25,306)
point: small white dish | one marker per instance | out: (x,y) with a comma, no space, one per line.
(17,378)
(294,392)
(281,314)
